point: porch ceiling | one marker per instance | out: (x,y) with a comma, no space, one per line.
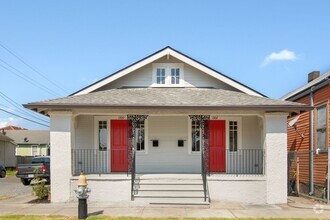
(169,98)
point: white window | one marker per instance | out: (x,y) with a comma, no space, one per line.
(233,136)
(34,150)
(139,136)
(195,136)
(167,74)
(175,75)
(321,127)
(160,77)
(103,135)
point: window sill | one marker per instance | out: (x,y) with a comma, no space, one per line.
(195,153)
(167,85)
(141,152)
(321,152)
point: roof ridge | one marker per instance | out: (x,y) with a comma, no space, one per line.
(306,86)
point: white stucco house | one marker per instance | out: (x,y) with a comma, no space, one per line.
(169,121)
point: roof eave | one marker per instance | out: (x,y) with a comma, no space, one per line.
(297,95)
(37,106)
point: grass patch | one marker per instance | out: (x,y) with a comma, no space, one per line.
(37,217)
(102,217)
(5,197)
(11,171)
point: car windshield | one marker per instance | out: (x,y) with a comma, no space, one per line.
(41,160)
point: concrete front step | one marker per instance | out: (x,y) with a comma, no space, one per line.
(172,200)
(170,193)
(168,187)
(181,176)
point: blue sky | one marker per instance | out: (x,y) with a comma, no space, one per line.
(270,46)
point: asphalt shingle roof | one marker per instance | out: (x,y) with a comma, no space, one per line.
(166,97)
(33,136)
(4,138)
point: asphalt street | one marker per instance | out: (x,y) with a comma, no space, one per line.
(12,186)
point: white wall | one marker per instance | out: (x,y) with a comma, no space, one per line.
(105,190)
(244,191)
(168,157)
(251,132)
(275,143)
(7,154)
(143,78)
(61,126)
(84,129)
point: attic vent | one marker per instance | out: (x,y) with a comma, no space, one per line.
(313,75)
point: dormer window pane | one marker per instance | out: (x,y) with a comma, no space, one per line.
(175,76)
(160,76)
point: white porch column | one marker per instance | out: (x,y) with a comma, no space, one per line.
(60,151)
(275,145)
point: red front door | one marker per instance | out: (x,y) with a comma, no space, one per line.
(217,146)
(119,145)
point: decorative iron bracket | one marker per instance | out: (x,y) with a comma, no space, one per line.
(132,123)
(203,121)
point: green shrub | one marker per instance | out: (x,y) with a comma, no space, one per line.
(39,189)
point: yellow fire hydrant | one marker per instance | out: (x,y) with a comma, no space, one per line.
(82,195)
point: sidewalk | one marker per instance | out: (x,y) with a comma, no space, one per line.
(297,207)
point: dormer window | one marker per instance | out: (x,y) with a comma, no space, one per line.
(175,75)
(167,74)
(160,76)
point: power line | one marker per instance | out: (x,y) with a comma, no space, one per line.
(23,117)
(34,69)
(22,110)
(31,81)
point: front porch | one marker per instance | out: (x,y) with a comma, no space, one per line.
(229,162)
(243,161)
(169,144)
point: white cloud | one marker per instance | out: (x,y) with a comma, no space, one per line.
(7,121)
(284,55)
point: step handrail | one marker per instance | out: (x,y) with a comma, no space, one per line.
(133,174)
(204,176)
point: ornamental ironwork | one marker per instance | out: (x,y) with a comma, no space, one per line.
(203,121)
(132,124)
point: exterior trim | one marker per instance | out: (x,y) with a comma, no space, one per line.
(64,107)
(305,90)
(163,52)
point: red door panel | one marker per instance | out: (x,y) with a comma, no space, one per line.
(119,145)
(217,146)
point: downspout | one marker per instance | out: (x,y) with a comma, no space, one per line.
(311,144)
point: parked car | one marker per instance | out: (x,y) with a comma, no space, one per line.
(2,171)
(40,167)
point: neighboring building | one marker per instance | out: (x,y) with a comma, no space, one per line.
(169,114)
(7,151)
(308,138)
(12,127)
(30,142)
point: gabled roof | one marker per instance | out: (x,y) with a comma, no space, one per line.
(29,136)
(197,98)
(159,54)
(4,138)
(295,94)
(12,127)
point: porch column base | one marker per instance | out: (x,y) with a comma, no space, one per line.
(275,145)
(61,127)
